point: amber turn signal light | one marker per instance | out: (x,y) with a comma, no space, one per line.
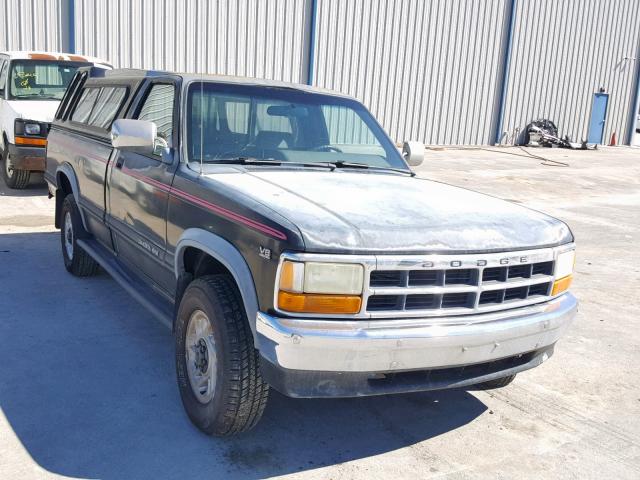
(313,303)
(561,285)
(33,142)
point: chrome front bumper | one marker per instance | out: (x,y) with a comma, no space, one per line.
(411,344)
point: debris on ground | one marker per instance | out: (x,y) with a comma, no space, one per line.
(544,133)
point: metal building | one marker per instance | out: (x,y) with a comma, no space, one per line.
(448,72)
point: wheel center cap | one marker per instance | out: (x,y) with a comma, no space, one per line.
(202,355)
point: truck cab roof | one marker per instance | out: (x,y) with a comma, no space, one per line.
(196,77)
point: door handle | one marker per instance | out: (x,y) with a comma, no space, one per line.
(120,162)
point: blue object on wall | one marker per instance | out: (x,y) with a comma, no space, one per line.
(511,21)
(598,117)
(311,57)
(72,26)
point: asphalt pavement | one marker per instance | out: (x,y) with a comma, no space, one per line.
(87,382)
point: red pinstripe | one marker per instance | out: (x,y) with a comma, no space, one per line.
(236,217)
(207,205)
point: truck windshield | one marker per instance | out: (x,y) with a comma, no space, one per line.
(40,80)
(228,121)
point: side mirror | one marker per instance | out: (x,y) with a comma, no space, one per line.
(413,152)
(134,135)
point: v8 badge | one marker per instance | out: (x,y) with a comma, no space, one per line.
(265,253)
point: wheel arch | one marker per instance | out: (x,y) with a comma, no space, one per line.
(226,255)
(67,182)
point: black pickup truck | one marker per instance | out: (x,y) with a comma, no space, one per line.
(281,235)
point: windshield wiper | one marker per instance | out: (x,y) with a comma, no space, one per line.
(243,161)
(36,95)
(366,166)
(331,165)
(264,161)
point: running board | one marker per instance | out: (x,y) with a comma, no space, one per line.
(136,287)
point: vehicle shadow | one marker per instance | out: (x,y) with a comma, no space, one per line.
(88,390)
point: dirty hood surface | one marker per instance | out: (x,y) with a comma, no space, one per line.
(371,212)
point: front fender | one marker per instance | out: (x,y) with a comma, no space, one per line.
(227,255)
(8,116)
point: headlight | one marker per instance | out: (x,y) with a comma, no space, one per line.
(32,128)
(333,278)
(563,271)
(319,287)
(564,263)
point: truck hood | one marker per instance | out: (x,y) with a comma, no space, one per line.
(40,110)
(371,212)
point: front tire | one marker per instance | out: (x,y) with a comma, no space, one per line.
(76,260)
(13,178)
(216,362)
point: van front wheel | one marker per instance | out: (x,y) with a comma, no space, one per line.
(13,178)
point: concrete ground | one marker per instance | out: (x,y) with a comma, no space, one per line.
(87,385)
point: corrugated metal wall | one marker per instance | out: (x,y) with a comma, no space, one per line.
(562,53)
(32,24)
(427,70)
(266,39)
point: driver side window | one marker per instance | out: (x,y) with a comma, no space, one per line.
(158,108)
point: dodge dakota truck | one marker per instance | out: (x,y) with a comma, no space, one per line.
(285,240)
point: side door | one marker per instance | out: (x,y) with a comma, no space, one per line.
(86,145)
(598,118)
(138,189)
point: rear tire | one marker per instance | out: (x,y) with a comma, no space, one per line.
(13,178)
(497,383)
(216,362)
(76,260)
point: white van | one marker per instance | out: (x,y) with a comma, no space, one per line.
(31,87)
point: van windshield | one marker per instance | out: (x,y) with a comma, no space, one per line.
(228,121)
(40,80)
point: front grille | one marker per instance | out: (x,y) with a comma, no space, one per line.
(419,302)
(464,276)
(542,268)
(421,278)
(384,302)
(448,286)
(380,278)
(495,274)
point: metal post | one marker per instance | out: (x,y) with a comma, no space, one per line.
(505,71)
(71,25)
(635,106)
(312,41)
